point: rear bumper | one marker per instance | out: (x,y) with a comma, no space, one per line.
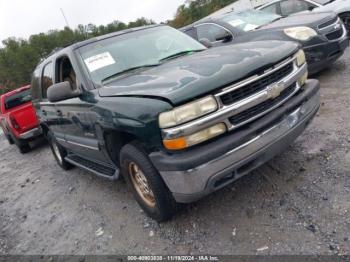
(193,183)
(31,134)
(322,56)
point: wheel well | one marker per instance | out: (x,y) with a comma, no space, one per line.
(115,141)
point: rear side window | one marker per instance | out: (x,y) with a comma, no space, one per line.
(18,99)
(47,79)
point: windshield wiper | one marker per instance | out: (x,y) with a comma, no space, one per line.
(131,69)
(182,53)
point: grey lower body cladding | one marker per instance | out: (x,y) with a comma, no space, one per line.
(189,184)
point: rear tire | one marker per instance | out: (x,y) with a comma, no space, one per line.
(24,147)
(146,184)
(59,152)
(345,17)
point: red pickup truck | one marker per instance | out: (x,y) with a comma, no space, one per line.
(18,119)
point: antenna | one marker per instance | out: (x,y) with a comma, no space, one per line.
(65,18)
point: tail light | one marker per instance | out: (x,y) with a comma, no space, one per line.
(15,123)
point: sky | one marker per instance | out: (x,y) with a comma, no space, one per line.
(22,18)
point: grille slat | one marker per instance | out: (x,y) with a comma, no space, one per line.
(264,106)
(335,35)
(257,86)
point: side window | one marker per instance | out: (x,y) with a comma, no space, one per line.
(191,32)
(65,72)
(270,9)
(35,84)
(212,32)
(294,6)
(46,79)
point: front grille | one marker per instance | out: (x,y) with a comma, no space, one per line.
(256,86)
(262,107)
(335,35)
(328,23)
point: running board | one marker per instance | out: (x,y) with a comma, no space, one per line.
(93,167)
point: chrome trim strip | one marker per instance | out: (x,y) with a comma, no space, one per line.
(224,113)
(81,145)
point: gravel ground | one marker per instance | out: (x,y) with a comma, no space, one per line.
(297,203)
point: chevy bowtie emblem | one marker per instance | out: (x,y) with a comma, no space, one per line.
(274,90)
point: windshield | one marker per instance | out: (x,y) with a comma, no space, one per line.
(137,50)
(18,99)
(250,19)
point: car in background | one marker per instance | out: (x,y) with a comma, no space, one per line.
(288,7)
(18,119)
(322,35)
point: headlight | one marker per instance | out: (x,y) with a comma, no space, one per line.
(188,112)
(302,33)
(194,139)
(301,59)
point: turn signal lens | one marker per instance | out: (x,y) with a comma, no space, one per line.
(196,138)
(301,59)
(175,144)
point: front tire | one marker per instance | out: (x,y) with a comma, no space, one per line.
(59,152)
(146,184)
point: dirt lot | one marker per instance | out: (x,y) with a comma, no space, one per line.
(299,203)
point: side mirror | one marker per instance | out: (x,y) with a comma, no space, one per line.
(311,8)
(206,42)
(224,36)
(62,91)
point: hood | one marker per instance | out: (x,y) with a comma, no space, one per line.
(309,19)
(198,74)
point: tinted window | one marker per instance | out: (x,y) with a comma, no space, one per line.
(35,84)
(47,79)
(270,9)
(211,32)
(18,99)
(294,6)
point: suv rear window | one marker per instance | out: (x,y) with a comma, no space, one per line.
(18,99)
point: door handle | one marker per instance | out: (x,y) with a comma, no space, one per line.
(59,113)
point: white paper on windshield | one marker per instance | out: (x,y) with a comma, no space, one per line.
(249,27)
(99,61)
(236,22)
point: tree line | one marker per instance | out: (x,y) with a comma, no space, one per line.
(19,57)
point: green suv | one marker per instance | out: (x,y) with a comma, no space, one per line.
(176,120)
